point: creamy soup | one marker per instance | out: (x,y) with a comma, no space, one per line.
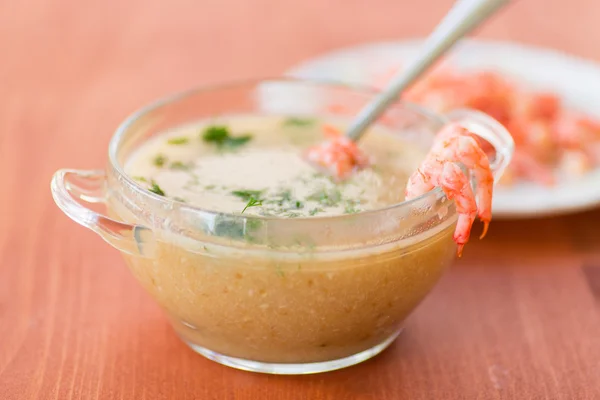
(255,165)
(278,302)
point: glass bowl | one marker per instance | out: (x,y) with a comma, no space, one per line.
(266,294)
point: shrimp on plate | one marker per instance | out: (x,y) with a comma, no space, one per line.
(553,142)
(453,145)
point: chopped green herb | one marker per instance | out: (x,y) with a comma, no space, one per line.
(299,204)
(160,160)
(266,213)
(221,137)
(215,134)
(179,165)
(238,141)
(285,195)
(326,198)
(179,199)
(282,197)
(193,182)
(178,140)
(140,178)
(292,214)
(315,211)
(295,121)
(156,189)
(350,207)
(246,195)
(252,203)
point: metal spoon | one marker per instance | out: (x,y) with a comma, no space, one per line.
(464,16)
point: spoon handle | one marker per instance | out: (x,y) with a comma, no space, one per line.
(462,18)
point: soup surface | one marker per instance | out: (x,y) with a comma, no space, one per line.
(255,165)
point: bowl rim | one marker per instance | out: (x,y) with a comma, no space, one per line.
(123,128)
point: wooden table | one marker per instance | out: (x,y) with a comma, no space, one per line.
(517,318)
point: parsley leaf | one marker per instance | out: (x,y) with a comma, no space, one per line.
(350,207)
(246,195)
(252,203)
(221,137)
(235,142)
(326,198)
(216,134)
(179,165)
(315,211)
(295,121)
(156,189)
(160,160)
(178,140)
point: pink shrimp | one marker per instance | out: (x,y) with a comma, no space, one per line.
(575,131)
(524,164)
(338,154)
(454,144)
(455,184)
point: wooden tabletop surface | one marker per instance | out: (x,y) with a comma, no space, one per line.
(517,318)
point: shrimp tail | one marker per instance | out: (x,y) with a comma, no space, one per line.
(486,225)
(463,230)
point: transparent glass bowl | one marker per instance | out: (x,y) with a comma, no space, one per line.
(284,296)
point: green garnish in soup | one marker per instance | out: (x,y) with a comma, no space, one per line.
(222,138)
(267,173)
(154,188)
(159,160)
(298,122)
(246,195)
(178,140)
(252,203)
(179,165)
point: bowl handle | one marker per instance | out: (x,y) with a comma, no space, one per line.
(70,187)
(490,130)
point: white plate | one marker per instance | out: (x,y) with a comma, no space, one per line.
(576,80)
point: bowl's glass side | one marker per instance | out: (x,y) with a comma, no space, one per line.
(171,220)
(304,308)
(282,290)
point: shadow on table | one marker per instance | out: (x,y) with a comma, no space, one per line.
(148,353)
(567,234)
(368,380)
